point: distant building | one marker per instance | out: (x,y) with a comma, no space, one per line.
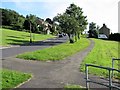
(46,25)
(104,32)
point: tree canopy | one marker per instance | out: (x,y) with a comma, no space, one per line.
(31,22)
(12,18)
(72,22)
(93,30)
(18,22)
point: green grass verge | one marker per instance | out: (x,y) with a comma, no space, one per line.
(11,79)
(58,52)
(102,55)
(74,87)
(12,37)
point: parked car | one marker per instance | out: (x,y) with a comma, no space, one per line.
(102,36)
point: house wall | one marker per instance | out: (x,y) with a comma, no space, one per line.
(46,26)
(104,30)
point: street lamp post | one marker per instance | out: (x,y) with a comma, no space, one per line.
(30,34)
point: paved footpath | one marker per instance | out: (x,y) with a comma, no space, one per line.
(51,74)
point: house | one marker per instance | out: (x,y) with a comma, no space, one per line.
(104,32)
(46,26)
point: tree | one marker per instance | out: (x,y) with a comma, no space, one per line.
(31,24)
(77,13)
(68,24)
(26,25)
(93,30)
(49,20)
(12,18)
(20,22)
(72,22)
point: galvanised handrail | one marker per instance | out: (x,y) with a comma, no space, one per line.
(114,59)
(106,68)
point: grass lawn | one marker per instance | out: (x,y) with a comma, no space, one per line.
(12,37)
(11,79)
(58,52)
(102,55)
(74,87)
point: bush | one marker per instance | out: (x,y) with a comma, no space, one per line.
(7,27)
(17,27)
(13,27)
(115,37)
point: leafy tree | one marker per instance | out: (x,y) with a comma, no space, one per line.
(6,20)
(93,30)
(26,25)
(72,22)
(56,28)
(49,20)
(12,18)
(77,13)
(68,24)
(31,24)
(19,23)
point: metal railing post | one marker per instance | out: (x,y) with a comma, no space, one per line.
(110,80)
(110,84)
(86,72)
(112,67)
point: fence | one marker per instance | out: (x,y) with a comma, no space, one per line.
(110,85)
(113,64)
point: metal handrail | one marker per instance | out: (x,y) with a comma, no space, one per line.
(114,59)
(110,77)
(108,68)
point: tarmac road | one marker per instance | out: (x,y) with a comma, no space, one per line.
(52,74)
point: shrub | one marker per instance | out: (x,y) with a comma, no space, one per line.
(115,37)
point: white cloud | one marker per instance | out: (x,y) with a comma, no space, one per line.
(98,11)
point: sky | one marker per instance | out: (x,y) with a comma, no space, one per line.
(98,11)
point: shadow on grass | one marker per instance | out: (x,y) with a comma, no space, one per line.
(26,35)
(17,42)
(15,37)
(48,42)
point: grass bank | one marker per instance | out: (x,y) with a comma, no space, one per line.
(12,37)
(102,55)
(58,52)
(74,87)
(11,79)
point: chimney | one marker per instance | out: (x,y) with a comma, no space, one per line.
(104,25)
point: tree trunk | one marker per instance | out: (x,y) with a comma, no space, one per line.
(78,35)
(68,35)
(70,39)
(75,37)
